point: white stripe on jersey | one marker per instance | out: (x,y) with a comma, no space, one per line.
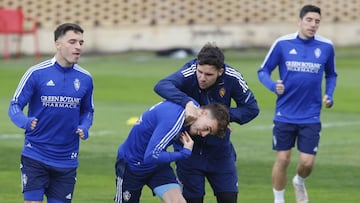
(80,69)
(234,73)
(44,64)
(169,136)
(323,39)
(285,37)
(189,71)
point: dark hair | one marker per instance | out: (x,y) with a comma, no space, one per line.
(221,113)
(309,8)
(210,54)
(63,28)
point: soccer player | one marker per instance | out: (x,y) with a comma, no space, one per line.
(207,79)
(59,96)
(142,158)
(302,59)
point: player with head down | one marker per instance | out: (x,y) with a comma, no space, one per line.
(142,158)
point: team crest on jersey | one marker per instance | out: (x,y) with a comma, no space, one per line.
(77,84)
(126,195)
(222,92)
(317,52)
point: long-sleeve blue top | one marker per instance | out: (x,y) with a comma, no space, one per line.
(301,65)
(156,129)
(182,86)
(61,98)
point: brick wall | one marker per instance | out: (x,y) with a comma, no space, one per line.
(118,13)
(148,19)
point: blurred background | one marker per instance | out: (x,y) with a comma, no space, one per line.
(122,25)
(123,39)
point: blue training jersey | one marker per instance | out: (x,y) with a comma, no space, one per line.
(157,128)
(182,86)
(301,65)
(61,98)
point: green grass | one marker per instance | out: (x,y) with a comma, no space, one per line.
(124,88)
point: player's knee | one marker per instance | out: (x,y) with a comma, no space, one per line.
(283,161)
(173,195)
(306,165)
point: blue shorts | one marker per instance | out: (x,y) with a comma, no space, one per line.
(130,183)
(307,136)
(215,163)
(39,179)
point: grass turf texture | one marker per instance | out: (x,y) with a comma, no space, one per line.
(124,89)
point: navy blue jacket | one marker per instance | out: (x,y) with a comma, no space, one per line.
(182,85)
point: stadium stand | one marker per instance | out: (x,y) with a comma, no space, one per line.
(248,22)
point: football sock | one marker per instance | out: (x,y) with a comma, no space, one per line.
(279,196)
(299,180)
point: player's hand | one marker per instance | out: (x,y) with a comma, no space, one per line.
(83,133)
(186,140)
(33,124)
(191,112)
(280,88)
(327,101)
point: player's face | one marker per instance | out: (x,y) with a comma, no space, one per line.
(207,75)
(204,124)
(69,48)
(309,24)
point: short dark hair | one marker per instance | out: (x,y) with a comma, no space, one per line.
(210,54)
(63,28)
(309,8)
(221,113)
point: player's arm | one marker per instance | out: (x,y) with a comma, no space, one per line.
(270,62)
(19,119)
(246,105)
(162,136)
(21,97)
(86,114)
(170,87)
(330,80)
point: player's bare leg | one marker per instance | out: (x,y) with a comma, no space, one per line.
(305,166)
(304,169)
(279,171)
(173,195)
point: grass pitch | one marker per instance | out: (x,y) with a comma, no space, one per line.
(124,89)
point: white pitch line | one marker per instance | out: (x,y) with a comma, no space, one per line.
(259,127)
(92,134)
(324,125)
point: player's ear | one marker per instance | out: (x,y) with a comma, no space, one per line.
(203,112)
(299,21)
(221,71)
(57,44)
